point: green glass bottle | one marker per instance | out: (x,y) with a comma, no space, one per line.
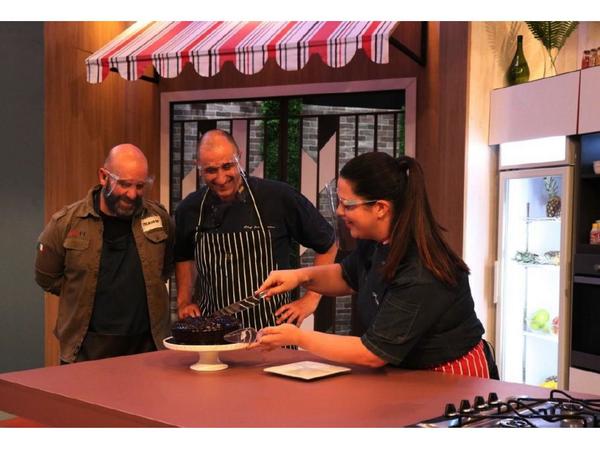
(518,71)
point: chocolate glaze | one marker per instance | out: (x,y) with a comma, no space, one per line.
(204,330)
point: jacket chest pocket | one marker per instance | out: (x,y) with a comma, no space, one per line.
(76,253)
(154,248)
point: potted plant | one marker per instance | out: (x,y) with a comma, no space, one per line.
(553,36)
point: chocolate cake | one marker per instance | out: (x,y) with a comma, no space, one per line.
(204,330)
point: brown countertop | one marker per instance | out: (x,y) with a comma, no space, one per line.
(158,389)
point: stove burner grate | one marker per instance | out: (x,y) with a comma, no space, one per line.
(514,423)
(558,410)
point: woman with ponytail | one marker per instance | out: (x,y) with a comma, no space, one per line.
(413,294)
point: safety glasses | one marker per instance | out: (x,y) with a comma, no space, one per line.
(126,184)
(349,205)
(213,170)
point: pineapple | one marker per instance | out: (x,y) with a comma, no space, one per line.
(553,203)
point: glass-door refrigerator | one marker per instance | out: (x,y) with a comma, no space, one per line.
(534,258)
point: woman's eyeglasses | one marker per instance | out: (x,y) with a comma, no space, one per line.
(349,205)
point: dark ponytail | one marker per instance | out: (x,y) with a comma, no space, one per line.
(379,176)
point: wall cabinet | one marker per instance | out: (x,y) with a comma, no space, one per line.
(541,108)
(589,101)
(563,105)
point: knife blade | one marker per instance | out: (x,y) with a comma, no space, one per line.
(241,305)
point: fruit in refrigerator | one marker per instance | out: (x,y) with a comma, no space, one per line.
(527,258)
(539,320)
(553,203)
(552,257)
(550,382)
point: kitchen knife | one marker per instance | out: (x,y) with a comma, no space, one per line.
(242,305)
(242,336)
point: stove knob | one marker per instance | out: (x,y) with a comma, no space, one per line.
(493,398)
(479,403)
(450,410)
(465,406)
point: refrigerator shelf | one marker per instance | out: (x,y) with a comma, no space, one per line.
(543,336)
(541,219)
(536,265)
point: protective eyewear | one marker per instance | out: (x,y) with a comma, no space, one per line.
(139,185)
(213,170)
(351,204)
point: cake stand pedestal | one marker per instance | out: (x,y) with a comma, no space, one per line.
(208,355)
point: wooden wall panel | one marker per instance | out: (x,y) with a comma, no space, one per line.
(83,121)
(444,164)
(409,35)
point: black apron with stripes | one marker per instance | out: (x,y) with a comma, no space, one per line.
(231,266)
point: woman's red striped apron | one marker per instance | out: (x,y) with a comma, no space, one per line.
(473,364)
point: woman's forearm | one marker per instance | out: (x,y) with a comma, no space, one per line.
(342,349)
(325,279)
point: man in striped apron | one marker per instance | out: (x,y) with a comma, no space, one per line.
(235,230)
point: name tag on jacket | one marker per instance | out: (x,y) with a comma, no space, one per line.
(150,223)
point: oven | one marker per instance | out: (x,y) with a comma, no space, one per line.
(585,313)
(584,370)
(585,317)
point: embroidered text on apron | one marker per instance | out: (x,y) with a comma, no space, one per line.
(231,266)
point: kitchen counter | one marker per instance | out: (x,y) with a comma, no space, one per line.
(159,389)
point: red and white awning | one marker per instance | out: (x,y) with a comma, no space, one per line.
(169,46)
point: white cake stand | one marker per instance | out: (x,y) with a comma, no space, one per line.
(208,360)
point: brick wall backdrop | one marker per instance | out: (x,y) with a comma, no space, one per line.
(185,122)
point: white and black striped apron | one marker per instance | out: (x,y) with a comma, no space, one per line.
(231,266)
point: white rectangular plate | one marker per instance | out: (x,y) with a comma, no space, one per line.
(307,370)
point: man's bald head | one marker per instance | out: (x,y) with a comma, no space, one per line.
(123,179)
(217,139)
(126,157)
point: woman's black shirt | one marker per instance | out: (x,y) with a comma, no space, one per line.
(415,321)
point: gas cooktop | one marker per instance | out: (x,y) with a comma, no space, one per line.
(559,410)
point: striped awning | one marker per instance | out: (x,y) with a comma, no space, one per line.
(169,46)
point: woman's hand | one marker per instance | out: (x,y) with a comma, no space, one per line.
(280,281)
(297,311)
(271,338)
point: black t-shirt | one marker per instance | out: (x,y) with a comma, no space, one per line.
(415,321)
(120,304)
(284,211)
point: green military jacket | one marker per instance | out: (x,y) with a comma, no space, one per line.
(68,261)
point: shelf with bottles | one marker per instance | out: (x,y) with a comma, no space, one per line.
(587,194)
(590,58)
